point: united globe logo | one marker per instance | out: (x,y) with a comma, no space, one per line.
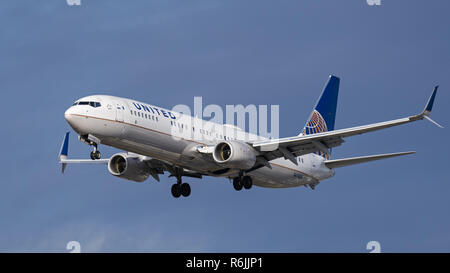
(315,125)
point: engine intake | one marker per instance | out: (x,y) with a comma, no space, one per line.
(128,167)
(236,155)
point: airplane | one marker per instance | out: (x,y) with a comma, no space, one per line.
(158,141)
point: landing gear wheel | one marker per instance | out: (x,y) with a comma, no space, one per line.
(176,190)
(96,155)
(185,189)
(247,182)
(237,183)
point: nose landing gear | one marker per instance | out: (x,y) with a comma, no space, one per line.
(92,141)
(95,154)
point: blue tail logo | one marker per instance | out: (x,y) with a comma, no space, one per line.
(316,124)
(323,115)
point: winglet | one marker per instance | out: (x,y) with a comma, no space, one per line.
(430,102)
(427,110)
(64,151)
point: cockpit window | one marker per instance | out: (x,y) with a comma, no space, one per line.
(90,103)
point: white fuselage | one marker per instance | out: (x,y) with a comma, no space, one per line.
(173,137)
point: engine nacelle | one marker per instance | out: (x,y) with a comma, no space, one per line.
(128,167)
(235,155)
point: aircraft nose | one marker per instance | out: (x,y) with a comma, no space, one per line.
(68,115)
(74,119)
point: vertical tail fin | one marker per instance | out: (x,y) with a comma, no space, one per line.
(323,115)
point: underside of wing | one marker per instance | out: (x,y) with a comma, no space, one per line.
(336,163)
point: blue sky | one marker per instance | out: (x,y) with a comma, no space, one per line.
(230,52)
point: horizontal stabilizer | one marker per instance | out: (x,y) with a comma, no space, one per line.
(336,163)
(64,152)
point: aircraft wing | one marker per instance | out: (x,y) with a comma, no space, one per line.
(291,147)
(81,161)
(155,166)
(337,163)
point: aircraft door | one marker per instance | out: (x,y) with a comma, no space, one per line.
(120,109)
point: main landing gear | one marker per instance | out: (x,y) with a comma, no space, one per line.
(242,182)
(180,188)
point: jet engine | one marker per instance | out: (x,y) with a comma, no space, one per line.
(128,167)
(235,155)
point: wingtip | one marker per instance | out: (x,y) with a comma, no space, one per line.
(432,121)
(64,152)
(334,77)
(65,145)
(430,102)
